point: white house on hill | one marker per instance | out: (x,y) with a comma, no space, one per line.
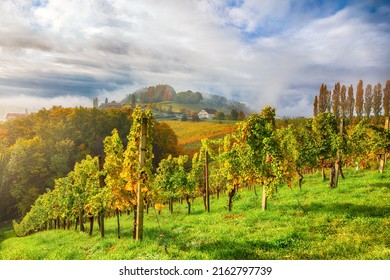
(207,113)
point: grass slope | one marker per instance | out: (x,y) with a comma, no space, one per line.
(349,222)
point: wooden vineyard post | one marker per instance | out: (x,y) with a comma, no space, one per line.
(382,156)
(141,181)
(264,199)
(381,163)
(338,160)
(101,185)
(207,182)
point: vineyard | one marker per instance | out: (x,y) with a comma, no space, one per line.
(190,134)
(348,222)
(254,161)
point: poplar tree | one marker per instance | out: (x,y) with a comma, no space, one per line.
(359,100)
(323,99)
(328,101)
(386,103)
(336,100)
(377,101)
(343,101)
(368,98)
(315,106)
(350,103)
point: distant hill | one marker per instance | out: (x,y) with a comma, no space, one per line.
(165,96)
(151,94)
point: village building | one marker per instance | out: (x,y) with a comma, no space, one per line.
(112,104)
(207,114)
(12,116)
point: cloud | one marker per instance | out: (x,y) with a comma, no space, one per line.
(261,52)
(23,103)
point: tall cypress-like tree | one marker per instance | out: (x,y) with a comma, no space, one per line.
(386,99)
(359,100)
(315,106)
(350,104)
(377,101)
(329,101)
(323,99)
(336,100)
(368,98)
(386,103)
(343,101)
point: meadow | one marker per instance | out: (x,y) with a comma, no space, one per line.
(349,222)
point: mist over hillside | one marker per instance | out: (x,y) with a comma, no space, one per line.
(4,110)
(164,93)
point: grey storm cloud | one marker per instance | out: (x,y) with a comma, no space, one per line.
(261,52)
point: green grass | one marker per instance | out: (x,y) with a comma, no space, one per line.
(348,222)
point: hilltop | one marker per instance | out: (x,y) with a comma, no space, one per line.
(166,98)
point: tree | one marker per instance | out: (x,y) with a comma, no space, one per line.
(379,143)
(66,136)
(165,142)
(184,117)
(230,158)
(323,99)
(262,151)
(95,195)
(234,114)
(187,187)
(85,186)
(368,100)
(336,100)
(195,117)
(27,171)
(120,198)
(359,100)
(329,101)
(133,99)
(171,179)
(138,162)
(188,97)
(8,208)
(350,103)
(241,116)
(377,102)
(386,104)
(298,149)
(325,132)
(366,142)
(220,115)
(65,199)
(343,102)
(196,175)
(315,106)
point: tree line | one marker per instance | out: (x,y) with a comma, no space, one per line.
(257,154)
(38,149)
(344,103)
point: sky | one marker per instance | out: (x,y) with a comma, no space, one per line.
(263,52)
